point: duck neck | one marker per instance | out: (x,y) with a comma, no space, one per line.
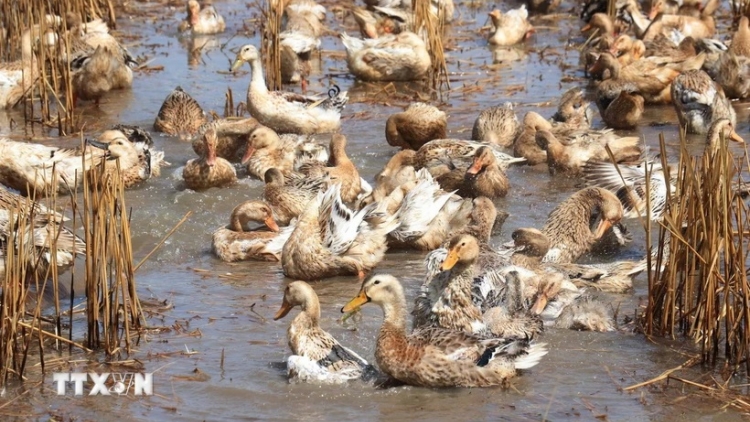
(27,55)
(338,154)
(257,80)
(312,309)
(394,315)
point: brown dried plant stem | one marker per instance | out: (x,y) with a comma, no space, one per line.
(114,313)
(273,12)
(702,290)
(432,27)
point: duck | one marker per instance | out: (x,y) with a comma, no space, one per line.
(496,125)
(436,357)
(531,245)
(699,101)
(316,355)
(562,305)
(30,168)
(98,73)
(484,219)
(601,23)
(484,177)
(288,152)
(206,21)
(208,171)
(340,169)
(526,147)
(460,153)
(445,299)
(740,45)
(401,57)
(625,111)
(299,38)
(46,230)
(232,137)
(180,114)
(234,243)
(137,161)
(330,239)
(573,112)
(670,7)
(575,225)
(510,27)
(418,124)
(19,76)
(427,215)
(628,182)
(629,12)
(290,199)
(732,73)
(570,159)
(542,6)
(702,26)
(649,78)
(287,112)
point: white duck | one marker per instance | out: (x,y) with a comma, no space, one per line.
(287,112)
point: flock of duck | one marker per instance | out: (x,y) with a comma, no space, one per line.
(481,309)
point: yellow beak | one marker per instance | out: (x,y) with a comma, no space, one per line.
(355,303)
(236,65)
(450,260)
(285,308)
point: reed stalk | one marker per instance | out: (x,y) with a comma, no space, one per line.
(432,27)
(48,98)
(273,12)
(699,285)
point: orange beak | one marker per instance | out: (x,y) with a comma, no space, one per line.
(604,225)
(540,304)
(450,260)
(271,223)
(652,14)
(475,168)
(285,308)
(586,28)
(211,160)
(248,155)
(735,137)
(355,303)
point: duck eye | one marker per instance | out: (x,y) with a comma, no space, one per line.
(376,282)
(463,243)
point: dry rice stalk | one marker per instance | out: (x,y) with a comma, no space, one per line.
(702,289)
(114,312)
(271,28)
(431,26)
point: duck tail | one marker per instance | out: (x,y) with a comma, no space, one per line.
(533,354)
(337,99)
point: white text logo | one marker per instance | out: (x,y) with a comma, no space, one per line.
(105,384)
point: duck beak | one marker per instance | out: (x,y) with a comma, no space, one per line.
(475,168)
(271,224)
(604,225)
(736,138)
(248,155)
(652,14)
(97,144)
(356,303)
(236,65)
(540,304)
(285,308)
(586,28)
(450,261)
(211,161)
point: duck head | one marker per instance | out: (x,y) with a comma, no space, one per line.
(462,249)
(299,293)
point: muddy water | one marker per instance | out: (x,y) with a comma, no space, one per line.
(231,304)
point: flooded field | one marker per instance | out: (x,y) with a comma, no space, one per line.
(223,312)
